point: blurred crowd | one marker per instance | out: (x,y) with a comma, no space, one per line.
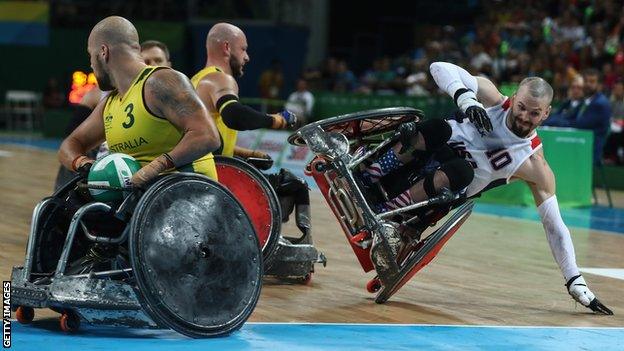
(556,40)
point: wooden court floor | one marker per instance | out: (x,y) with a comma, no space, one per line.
(494,271)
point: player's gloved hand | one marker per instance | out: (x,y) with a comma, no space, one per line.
(82,165)
(577,288)
(407,134)
(467,102)
(152,170)
(284,119)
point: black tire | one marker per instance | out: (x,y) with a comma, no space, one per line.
(189,234)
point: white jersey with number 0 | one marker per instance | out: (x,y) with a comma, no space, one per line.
(495,157)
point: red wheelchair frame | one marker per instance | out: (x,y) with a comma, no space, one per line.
(334,141)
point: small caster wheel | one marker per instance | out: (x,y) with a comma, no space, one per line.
(25,314)
(70,322)
(307,280)
(373,285)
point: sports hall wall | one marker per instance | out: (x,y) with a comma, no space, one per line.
(66,52)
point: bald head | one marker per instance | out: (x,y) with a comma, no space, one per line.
(226,45)
(221,33)
(537,88)
(113,31)
(113,46)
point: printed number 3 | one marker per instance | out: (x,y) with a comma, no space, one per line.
(130,122)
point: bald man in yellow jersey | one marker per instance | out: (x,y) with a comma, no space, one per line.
(152,114)
(226,47)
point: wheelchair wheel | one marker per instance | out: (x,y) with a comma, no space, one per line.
(362,124)
(195,256)
(257,196)
(425,253)
(54,219)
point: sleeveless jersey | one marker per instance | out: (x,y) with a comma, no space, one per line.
(131,128)
(228,135)
(495,157)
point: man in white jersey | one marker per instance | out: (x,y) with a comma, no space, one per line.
(501,145)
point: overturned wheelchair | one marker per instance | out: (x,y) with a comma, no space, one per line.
(182,255)
(391,242)
(269,201)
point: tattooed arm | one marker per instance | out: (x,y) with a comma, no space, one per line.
(169,94)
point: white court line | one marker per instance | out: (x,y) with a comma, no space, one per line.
(616,273)
(4,153)
(431,325)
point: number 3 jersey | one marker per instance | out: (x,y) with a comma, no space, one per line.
(495,157)
(131,128)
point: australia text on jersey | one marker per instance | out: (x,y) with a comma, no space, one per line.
(128,145)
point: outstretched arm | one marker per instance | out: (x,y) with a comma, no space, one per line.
(540,178)
(463,88)
(221,91)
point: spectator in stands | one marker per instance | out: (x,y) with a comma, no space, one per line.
(345,79)
(569,109)
(614,147)
(301,102)
(271,82)
(595,112)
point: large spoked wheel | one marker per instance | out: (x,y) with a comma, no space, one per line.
(195,255)
(257,196)
(362,124)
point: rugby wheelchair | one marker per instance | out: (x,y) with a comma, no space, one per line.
(269,201)
(393,243)
(183,254)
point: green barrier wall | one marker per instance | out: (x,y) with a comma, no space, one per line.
(569,154)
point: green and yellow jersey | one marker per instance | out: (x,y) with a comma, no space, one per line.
(228,135)
(131,128)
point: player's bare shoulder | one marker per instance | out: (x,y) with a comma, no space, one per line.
(219,82)
(535,169)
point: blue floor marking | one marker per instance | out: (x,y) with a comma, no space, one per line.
(37,143)
(259,336)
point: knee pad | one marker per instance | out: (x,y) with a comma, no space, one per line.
(459,173)
(445,154)
(436,132)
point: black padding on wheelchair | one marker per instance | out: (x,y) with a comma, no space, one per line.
(260,163)
(195,256)
(291,191)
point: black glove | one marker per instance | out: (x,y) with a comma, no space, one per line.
(577,288)
(480,119)
(467,102)
(83,170)
(407,132)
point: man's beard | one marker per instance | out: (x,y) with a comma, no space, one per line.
(520,129)
(104,81)
(236,67)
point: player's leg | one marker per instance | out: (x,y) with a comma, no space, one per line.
(454,173)
(418,140)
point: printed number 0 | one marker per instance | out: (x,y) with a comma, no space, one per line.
(499,161)
(128,110)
